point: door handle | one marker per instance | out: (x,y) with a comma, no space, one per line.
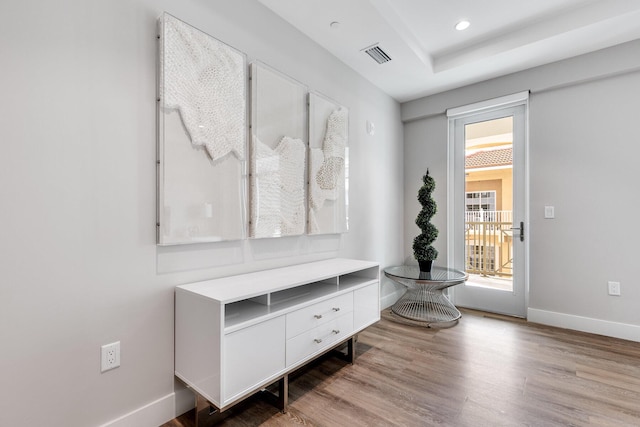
(521,228)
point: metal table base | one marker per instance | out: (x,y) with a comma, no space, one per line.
(426,306)
(425,301)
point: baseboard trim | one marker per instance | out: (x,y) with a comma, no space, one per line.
(585,324)
(390,299)
(157,412)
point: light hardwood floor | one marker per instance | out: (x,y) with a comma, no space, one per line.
(486,371)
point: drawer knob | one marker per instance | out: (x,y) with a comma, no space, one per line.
(318,316)
(336,331)
(336,308)
(318,340)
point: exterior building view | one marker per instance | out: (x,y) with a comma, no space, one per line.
(488,202)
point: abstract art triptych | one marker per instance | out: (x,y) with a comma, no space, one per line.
(291,157)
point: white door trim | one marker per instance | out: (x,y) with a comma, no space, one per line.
(456,163)
(519,98)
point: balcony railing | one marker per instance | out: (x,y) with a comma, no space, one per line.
(488,243)
(488,216)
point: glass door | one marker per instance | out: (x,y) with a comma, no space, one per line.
(488,150)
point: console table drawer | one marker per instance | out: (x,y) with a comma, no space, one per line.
(318,338)
(325,311)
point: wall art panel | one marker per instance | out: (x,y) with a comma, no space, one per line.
(202,130)
(278,154)
(328,166)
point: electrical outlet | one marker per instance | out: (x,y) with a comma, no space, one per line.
(614,288)
(110,356)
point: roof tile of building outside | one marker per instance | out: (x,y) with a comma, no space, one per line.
(488,158)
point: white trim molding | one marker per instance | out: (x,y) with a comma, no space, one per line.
(490,104)
(157,412)
(623,331)
(388,300)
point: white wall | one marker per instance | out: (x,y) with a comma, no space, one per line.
(584,150)
(78,262)
(425,148)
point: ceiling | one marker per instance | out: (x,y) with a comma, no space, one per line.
(429,56)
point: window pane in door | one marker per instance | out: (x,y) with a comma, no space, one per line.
(489,203)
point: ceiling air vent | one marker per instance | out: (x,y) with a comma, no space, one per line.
(378,55)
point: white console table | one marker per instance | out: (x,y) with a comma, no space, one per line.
(236,335)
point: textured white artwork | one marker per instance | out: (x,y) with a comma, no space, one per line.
(202,181)
(277,188)
(204,79)
(278,155)
(327,166)
(327,163)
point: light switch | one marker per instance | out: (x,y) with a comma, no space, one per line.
(549,212)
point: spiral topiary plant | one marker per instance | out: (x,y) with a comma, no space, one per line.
(424,253)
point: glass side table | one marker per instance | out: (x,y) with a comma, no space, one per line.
(424,300)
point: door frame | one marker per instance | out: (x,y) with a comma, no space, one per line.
(455,163)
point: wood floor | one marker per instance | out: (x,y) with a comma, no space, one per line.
(486,371)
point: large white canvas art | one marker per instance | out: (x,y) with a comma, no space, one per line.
(202,136)
(328,166)
(278,154)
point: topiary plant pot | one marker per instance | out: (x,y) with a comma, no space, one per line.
(425,266)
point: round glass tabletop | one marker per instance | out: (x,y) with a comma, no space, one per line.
(437,275)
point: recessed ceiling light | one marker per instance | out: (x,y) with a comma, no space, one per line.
(462,25)
(335,25)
